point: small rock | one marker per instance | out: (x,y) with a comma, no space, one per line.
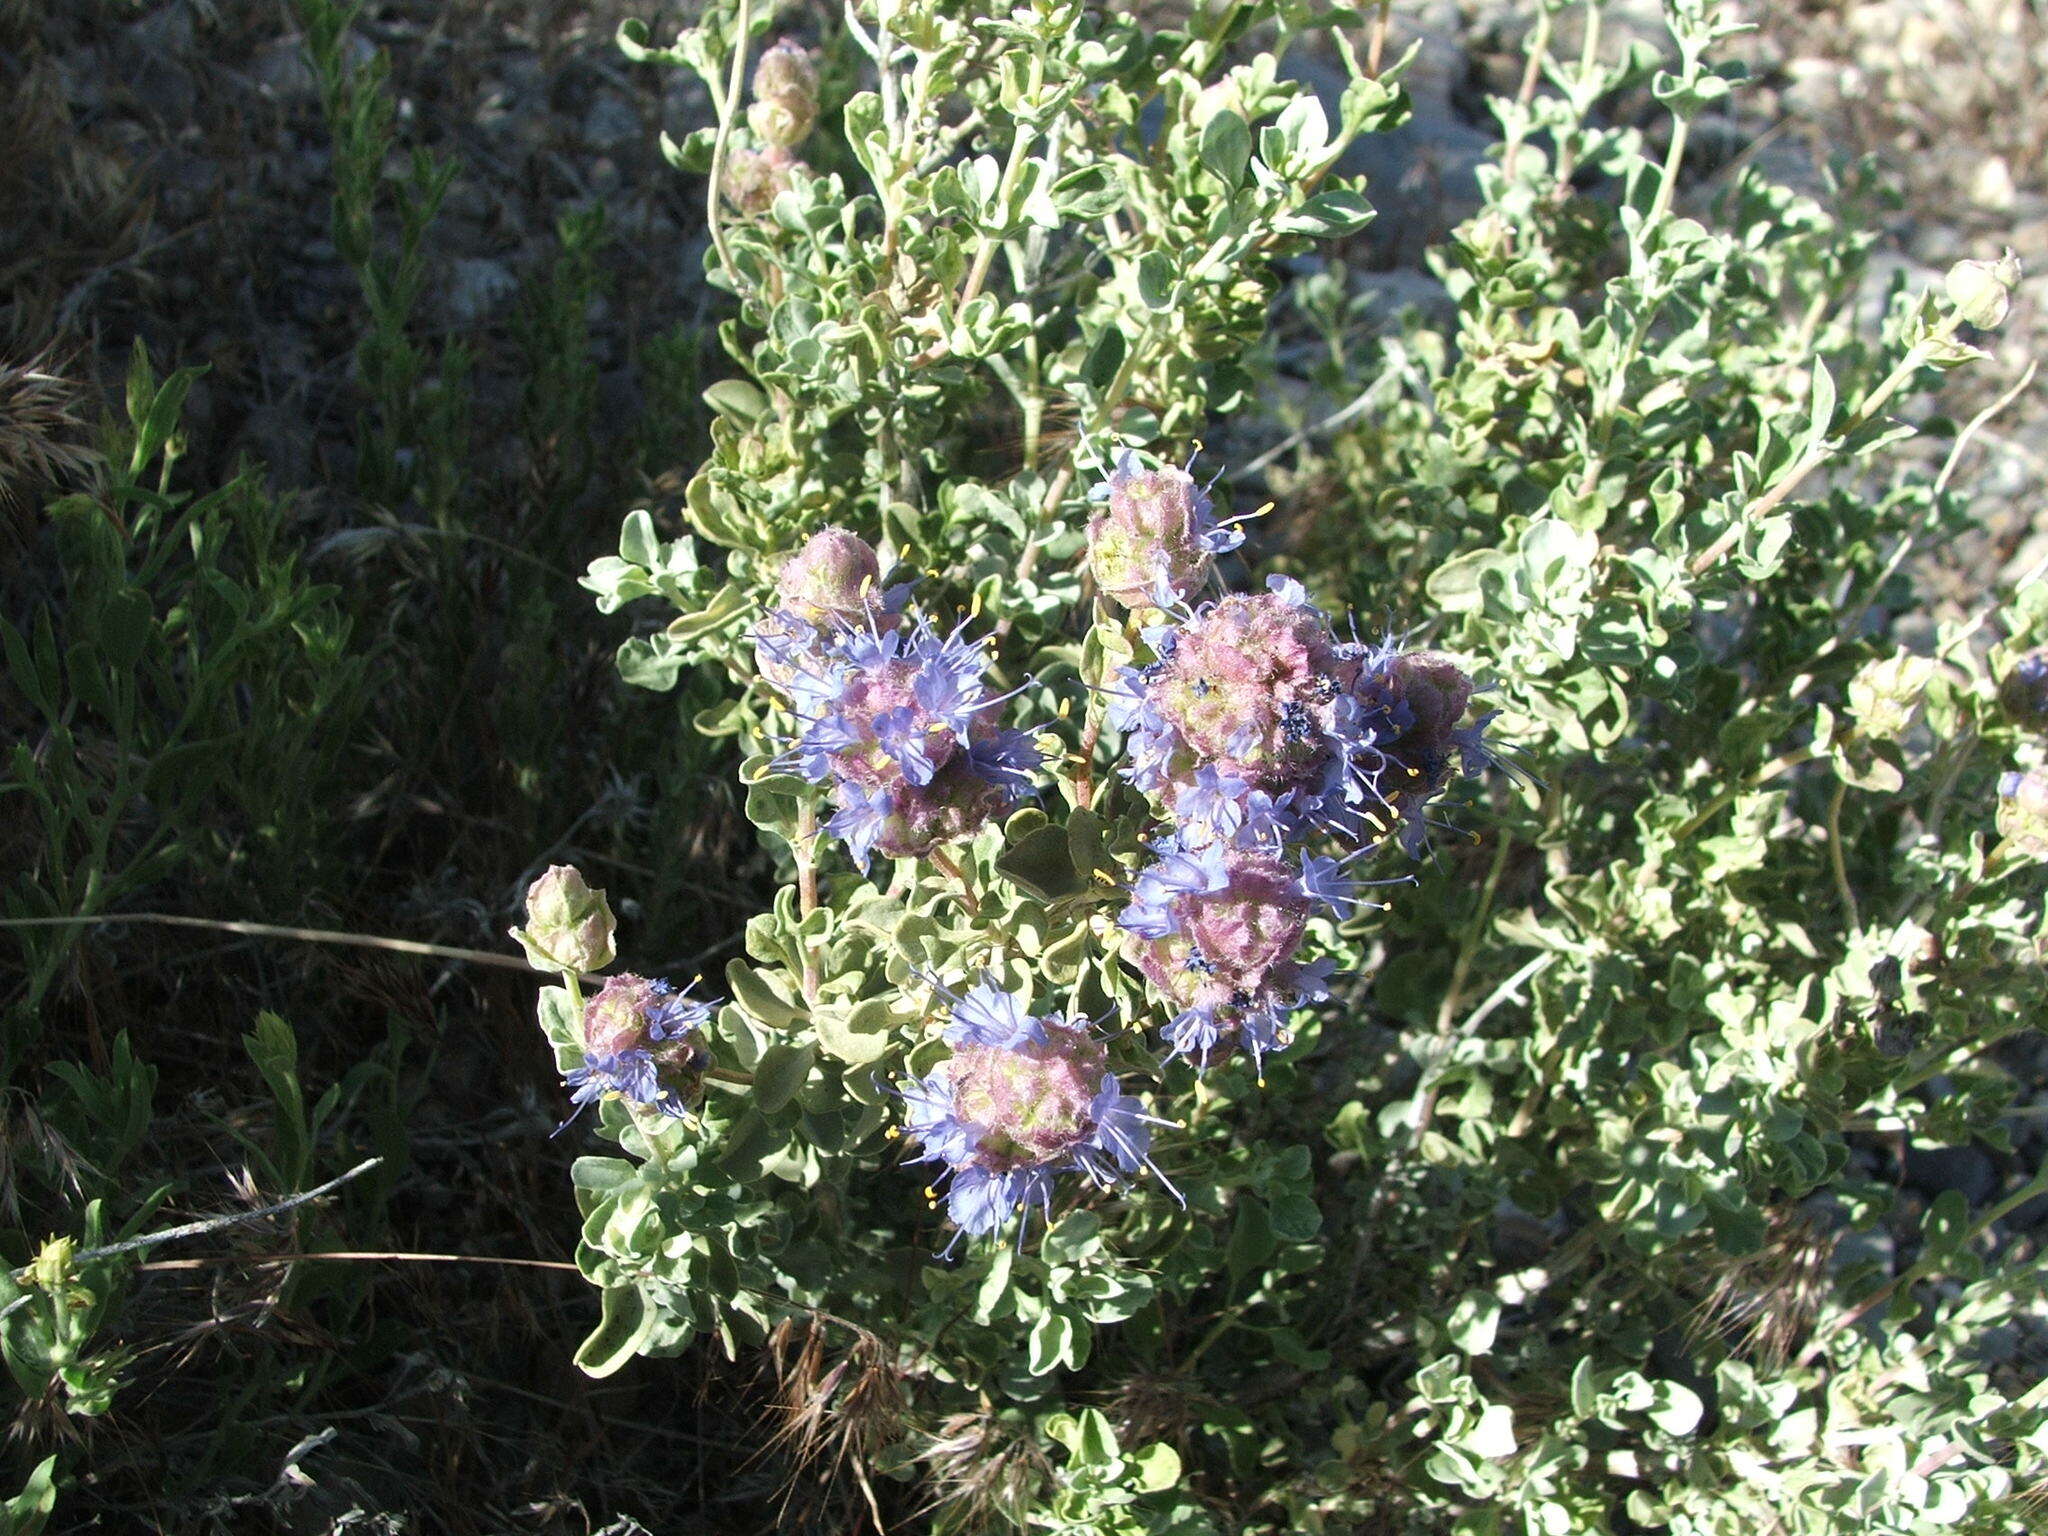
(477,288)
(610,123)
(1992,186)
(1967,1170)
(281,71)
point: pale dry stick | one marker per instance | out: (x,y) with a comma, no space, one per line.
(192,1229)
(1532,73)
(1921,1268)
(1909,539)
(1376,40)
(268,1260)
(275,931)
(1916,357)
(1335,419)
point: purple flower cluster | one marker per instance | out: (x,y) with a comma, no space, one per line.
(899,723)
(1021,1100)
(896,717)
(1217,930)
(642,1042)
(832,584)
(1255,723)
(1154,543)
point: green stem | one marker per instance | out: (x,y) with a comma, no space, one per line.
(1838,861)
(1667,184)
(728,115)
(1895,381)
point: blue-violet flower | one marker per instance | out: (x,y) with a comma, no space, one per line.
(1255,724)
(642,1042)
(899,723)
(1218,931)
(1021,1100)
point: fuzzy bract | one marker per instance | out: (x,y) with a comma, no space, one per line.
(1022,1099)
(900,724)
(1218,930)
(1255,724)
(785,104)
(831,585)
(642,1042)
(1155,539)
(2023,812)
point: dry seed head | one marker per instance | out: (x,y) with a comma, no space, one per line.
(42,437)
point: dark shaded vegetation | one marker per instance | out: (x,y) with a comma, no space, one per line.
(293,639)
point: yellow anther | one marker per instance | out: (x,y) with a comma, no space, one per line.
(1263,510)
(974,608)
(892,1132)
(1066,708)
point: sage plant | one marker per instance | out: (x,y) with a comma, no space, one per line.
(1068,1047)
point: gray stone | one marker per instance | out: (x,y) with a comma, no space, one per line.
(478,288)
(1967,1170)
(610,123)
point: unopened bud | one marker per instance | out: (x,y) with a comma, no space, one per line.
(2024,692)
(1437,692)
(1154,542)
(785,104)
(1885,696)
(1981,291)
(754,178)
(835,579)
(2023,812)
(52,1267)
(568,925)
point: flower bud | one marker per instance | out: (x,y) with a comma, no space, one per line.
(754,178)
(2023,812)
(835,579)
(1885,696)
(568,925)
(52,1269)
(1154,542)
(642,1043)
(1981,291)
(785,104)
(2024,692)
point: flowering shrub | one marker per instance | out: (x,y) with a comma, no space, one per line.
(1524,1195)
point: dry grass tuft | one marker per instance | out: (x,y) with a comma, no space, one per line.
(1163,1406)
(42,434)
(831,1420)
(1764,1303)
(983,1473)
